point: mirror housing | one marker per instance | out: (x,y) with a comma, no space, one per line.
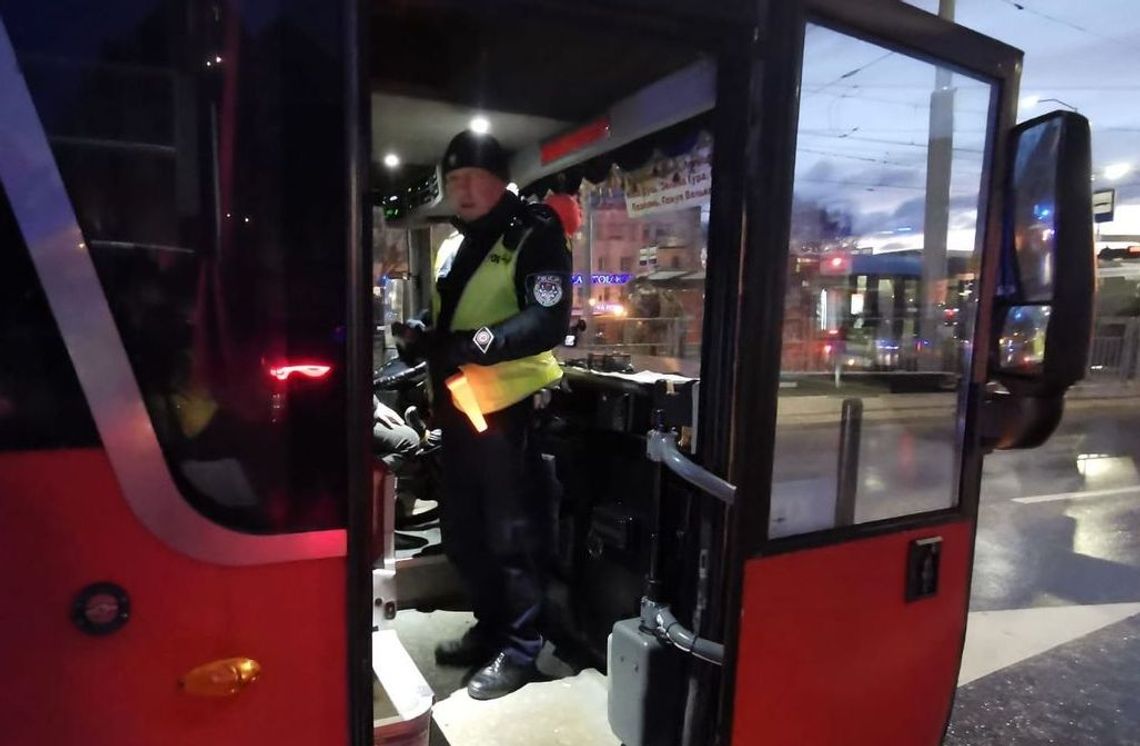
(1043,309)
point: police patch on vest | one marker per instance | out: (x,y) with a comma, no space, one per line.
(483,339)
(547,290)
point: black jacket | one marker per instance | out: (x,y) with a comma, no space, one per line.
(542,284)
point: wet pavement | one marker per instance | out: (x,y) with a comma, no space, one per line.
(1058,558)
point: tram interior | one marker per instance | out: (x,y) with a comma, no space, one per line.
(640,108)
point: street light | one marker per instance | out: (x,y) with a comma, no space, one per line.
(1117,171)
(392,160)
(1068,106)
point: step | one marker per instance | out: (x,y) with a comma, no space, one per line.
(564,712)
(401,698)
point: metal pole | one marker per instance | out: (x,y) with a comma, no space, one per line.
(588,270)
(847,479)
(936,223)
(653,580)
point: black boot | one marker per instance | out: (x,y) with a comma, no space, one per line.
(500,677)
(473,649)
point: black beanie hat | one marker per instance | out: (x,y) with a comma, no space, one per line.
(471,150)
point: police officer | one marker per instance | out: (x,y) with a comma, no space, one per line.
(501,303)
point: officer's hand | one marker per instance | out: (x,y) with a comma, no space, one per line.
(454,349)
(413,340)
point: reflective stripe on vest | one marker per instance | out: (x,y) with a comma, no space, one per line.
(488,299)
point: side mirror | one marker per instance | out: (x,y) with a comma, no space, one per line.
(1043,312)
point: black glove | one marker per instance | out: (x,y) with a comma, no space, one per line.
(414,340)
(452,349)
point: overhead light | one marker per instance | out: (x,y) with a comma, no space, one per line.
(480,125)
(391,160)
(1117,170)
(1028,102)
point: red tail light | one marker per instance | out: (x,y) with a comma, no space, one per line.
(308,370)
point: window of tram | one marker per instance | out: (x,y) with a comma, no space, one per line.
(393,294)
(41,404)
(639,259)
(202,146)
(880,310)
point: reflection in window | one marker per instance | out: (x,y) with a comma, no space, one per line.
(649,222)
(1034,221)
(41,404)
(880,302)
(392,292)
(202,146)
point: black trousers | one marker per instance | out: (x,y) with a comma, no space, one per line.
(495,523)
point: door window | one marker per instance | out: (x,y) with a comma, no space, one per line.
(886,237)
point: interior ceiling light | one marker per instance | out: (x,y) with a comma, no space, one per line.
(480,125)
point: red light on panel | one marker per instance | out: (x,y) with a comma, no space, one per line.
(575,140)
(308,370)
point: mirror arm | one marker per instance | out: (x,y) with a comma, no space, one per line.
(1012,421)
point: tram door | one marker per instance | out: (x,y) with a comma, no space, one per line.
(176,378)
(883,130)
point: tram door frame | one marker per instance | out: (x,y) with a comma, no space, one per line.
(748,448)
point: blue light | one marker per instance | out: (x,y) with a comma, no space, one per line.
(602,279)
(1042,210)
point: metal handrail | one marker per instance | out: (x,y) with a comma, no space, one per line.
(661,448)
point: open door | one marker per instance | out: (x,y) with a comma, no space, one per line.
(874,228)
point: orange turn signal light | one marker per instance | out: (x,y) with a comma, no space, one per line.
(464,397)
(221,678)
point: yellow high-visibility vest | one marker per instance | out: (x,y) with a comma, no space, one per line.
(488,299)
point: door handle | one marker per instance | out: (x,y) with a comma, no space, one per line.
(221,678)
(661,447)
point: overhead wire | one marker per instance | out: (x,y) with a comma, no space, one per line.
(853,72)
(1060,21)
(885,141)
